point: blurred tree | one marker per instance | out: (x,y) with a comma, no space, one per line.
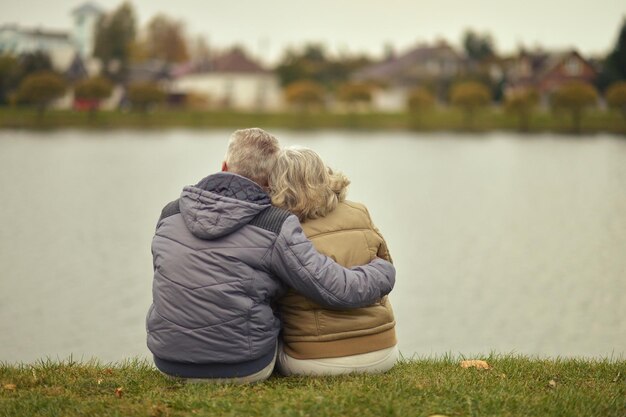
(355,94)
(614,68)
(138,51)
(312,63)
(165,40)
(616,97)
(419,101)
(478,46)
(574,97)
(308,64)
(33,62)
(41,89)
(521,103)
(115,33)
(93,90)
(197,101)
(199,51)
(9,76)
(315,53)
(305,95)
(143,95)
(480,76)
(470,96)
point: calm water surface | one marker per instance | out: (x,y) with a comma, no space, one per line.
(502,242)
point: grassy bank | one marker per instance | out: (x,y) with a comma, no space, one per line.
(514,386)
(435,120)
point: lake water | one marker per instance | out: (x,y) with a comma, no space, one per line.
(501,242)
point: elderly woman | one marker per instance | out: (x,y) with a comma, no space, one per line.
(318,341)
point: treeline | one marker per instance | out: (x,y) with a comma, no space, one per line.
(30,79)
(311,77)
(39,86)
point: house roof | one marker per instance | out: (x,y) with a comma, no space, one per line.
(9,27)
(555,59)
(233,61)
(395,67)
(37,32)
(542,64)
(152,70)
(48,34)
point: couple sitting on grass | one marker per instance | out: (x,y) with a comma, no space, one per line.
(265,264)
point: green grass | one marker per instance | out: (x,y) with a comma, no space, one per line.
(515,386)
(445,119)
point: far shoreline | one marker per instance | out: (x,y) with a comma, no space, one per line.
(448,120)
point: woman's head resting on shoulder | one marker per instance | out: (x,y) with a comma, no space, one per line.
(301,183)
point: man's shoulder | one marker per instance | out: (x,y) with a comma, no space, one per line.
(271,219)
(170,209)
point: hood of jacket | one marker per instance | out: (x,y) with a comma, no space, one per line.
(220,204)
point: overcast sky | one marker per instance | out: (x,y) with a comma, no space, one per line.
(267,27)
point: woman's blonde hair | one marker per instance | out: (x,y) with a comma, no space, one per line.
(301,183)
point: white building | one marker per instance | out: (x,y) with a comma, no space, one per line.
(424,65)
(230,80)
(60,46)
(86,17)
(57,45)
(390,99)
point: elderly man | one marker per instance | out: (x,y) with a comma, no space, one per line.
(222,253)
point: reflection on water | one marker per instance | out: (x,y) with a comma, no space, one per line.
(501,242)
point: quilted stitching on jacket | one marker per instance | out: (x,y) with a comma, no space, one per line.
(234,186)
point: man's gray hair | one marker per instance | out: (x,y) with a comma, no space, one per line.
(252,154)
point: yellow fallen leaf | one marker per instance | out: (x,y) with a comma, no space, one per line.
(475,363)
(9,387)
(552,383)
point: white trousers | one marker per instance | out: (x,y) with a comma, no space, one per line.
(370,363)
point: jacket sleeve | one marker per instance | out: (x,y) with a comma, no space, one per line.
(296,262)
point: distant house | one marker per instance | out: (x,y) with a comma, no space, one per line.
(153,70)
(547,72)
(229,80)
(60,46)
(86,17)
(70,52)
(433,66)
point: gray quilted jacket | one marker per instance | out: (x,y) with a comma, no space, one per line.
(221,255)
